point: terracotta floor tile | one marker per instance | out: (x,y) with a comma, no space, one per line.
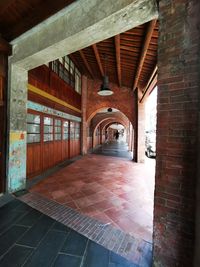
(110,189)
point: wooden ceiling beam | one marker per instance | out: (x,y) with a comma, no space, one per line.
(147,40)
(97,56)
(86,63)
(118,58)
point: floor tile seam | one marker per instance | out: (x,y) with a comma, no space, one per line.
(114,249)
(84,254)
(4,254)
(14,244)
(61,245)
(28,257)
(68,254)
(6,229)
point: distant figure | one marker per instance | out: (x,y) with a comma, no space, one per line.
(117,135)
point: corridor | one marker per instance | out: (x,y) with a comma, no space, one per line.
(117,148)
(113,190)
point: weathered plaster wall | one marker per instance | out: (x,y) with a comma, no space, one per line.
(16,169)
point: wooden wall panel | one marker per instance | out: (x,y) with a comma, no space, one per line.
(44,155)
(34,159)
(45,79)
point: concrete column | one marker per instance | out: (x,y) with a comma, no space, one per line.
(84,109)
(16,167)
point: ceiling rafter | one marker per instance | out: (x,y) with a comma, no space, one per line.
(147,40)
(118,58)
(98,59)
(86,63)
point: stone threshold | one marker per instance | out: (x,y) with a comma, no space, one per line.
(133,249)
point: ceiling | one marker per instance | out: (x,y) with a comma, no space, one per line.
(18,16)
(129,58)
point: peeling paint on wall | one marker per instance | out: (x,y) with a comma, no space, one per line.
(50,111)
(17,161)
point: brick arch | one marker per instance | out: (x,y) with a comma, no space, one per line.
(118,116)
(122,99)
(107,125)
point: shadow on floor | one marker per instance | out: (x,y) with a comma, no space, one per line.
(114,149)
(30,238)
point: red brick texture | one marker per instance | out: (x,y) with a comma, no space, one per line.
(177,132)
(84,122)
(122,99)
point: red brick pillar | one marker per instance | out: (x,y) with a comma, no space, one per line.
(84,122)
(177,132)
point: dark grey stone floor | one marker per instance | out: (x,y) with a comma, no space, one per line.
(114,149)
(30,238)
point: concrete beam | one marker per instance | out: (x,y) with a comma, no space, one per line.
(79,25)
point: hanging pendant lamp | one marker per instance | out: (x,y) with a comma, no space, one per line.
(104,89)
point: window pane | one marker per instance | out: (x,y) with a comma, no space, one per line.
(48,137)
(65,124)
(33,118)
(67,59)
(57,129)
(57,122)
(65,136)
(33,128)
(48,129)
(33,138)
(48,121)
(57,136)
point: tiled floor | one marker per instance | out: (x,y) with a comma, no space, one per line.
(133,249)
(30,238)
(111,189)
(115,149)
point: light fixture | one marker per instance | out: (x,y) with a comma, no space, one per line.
(109,109)
(104,89)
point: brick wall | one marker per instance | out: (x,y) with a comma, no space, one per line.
(177,132)
(122,99)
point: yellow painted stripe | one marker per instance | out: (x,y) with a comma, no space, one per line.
(51,97)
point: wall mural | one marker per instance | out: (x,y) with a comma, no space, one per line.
(17,161)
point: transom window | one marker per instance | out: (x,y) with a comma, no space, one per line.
(67,71)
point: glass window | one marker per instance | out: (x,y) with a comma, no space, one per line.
(77,131)
(72,130)
(57,129)
(48,129)
(66,130)
(33,128)
(68,72)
